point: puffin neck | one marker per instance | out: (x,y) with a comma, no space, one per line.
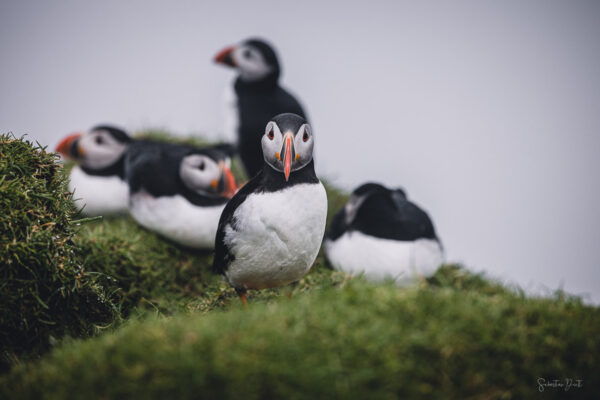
(272,180)
(267,83)
(115,169)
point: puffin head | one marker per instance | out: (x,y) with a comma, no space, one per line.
(254,60)
(287,143)
(207,173)
(99,148)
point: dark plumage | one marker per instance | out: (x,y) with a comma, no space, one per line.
(383,213)
(154,167)
(258,100)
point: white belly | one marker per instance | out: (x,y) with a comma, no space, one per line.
(101,195)
(177,219)
(277,236)
(355,253)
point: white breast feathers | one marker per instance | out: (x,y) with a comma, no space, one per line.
(276,236)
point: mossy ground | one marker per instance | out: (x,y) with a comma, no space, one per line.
(182,333)
(356,340)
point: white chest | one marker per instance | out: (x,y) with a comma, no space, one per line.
(177,219)
(101,195)
(277,236)
(355,252)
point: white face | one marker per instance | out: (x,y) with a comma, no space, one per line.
(250,63)
(274,146)
(99,149)
(200,173)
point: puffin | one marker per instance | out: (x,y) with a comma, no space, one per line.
(382,234)
(97,180)
(271,230)
(179,191)
(254,98)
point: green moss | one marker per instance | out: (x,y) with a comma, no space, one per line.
(359,341)
(45,293)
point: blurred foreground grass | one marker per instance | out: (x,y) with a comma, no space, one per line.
(180,332)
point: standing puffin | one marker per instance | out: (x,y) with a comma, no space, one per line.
(98,179)
(178,191)
(270,232)
(255,98)
(381,233)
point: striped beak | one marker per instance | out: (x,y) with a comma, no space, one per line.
(226,183)
(289,154)
(67,146)
(225,57)
(230,186)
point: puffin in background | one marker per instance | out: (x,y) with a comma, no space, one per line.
(270,232)
(381,233)
(98,179)
(178,191)
(254,98)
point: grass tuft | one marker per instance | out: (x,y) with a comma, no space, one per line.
(45,293)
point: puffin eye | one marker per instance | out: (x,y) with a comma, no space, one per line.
(201,166)
(305,137)
(247,53)
(99,140)
(271,135)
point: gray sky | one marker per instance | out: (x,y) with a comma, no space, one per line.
(487,113)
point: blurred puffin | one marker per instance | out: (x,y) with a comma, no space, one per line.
(98,179)
(381,233)
(254,98)
(270,232)
(178,191)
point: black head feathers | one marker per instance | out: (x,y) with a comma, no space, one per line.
(117,133)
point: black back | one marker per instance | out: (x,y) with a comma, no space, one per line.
(267,180)
(385,214)
(258,102)
(154,167)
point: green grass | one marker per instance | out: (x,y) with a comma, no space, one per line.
(358,340)
(178,331)
(44,291)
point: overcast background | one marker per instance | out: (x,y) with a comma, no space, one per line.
(487,113)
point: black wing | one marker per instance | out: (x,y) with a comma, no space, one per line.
(139,155)
(413,223)
(222,255)
(386,217)
(337,227)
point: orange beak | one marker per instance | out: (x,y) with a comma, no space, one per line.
(230,187)
(225,57)
(64,146)
(287,156)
